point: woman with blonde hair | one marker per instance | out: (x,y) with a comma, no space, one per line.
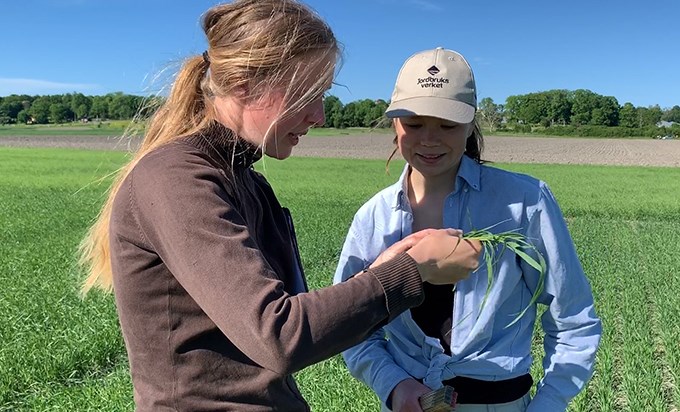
(211,297)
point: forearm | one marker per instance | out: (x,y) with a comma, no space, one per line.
(314,326)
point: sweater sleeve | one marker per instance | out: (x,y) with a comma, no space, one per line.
(185,214)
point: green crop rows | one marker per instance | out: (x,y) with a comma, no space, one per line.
(63,353)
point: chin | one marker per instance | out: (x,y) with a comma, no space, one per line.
(280,155)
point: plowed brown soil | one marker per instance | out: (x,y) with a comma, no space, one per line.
(511,149)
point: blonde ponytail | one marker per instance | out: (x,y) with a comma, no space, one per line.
(183,114)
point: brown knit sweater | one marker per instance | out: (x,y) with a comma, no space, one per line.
(206,279)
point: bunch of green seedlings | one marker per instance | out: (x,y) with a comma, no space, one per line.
(494,245)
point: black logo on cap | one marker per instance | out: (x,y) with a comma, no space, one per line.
(433,70)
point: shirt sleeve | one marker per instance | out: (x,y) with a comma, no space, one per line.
(187,216)
(368,361)
(572,329)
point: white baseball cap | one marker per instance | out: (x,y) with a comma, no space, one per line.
(437,83)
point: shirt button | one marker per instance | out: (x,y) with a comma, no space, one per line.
(465,190)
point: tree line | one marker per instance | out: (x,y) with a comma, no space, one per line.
(64,108)
(69,107)
(579,112)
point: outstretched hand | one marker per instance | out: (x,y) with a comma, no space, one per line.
(408,242)
(445,259)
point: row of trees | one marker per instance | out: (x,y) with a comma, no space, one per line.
(549,109)
(571,108)
(118,106)
(360,113)
(67,107)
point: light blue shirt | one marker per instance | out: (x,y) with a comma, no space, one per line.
(482,345)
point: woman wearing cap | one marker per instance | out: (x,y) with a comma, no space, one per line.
(447,340)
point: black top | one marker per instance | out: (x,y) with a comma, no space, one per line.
(434,315)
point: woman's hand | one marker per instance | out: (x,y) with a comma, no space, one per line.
(408,242)
(405,396)
(443,258)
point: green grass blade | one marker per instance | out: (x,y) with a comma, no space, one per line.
(518,244)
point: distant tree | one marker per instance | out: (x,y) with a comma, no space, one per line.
(649,116)
(64,99)
(583,104)
(23,116)
(40,109)
(559,107)
(123,106)
(332,108)
(377,114)
(81,112)
(26,101)
(10,107)
(672,114)
(628,116)
(100,107)
(605,112)
(349,115)
(365,115)
(512,105)
(80,105)
(535,108)
(490,113)
(529,108)
(60,113)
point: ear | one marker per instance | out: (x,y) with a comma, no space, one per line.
(242,92)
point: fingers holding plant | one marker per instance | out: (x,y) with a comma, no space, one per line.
(445,258)
(408,242)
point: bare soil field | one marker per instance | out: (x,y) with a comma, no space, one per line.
(502,149)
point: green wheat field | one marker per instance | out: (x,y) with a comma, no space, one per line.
(60,352)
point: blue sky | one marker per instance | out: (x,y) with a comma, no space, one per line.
(626,49)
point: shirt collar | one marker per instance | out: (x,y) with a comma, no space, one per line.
(470,171)
(469,174)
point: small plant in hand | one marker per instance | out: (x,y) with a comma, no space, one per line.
(495,244)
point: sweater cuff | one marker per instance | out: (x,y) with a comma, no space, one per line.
(401,283)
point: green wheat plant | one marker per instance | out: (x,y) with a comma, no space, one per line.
(494,245)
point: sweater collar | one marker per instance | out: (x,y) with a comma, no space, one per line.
(223,145)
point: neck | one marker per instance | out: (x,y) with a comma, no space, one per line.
(423,188)
(231,112)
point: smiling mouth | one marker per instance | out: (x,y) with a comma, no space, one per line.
(430,156)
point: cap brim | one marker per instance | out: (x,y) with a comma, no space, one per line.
(447,109)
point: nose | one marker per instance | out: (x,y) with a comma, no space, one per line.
(316,115)
(429,137)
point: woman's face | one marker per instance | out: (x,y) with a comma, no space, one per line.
(271,124)
(431,145)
